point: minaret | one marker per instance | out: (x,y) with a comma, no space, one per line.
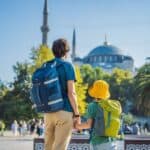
(73,55)
(105,43)
(45,27)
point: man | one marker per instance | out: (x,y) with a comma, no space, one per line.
(58,125)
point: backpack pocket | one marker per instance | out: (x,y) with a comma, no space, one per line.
(53,89)
(54,99)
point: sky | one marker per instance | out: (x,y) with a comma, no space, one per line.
(126,23)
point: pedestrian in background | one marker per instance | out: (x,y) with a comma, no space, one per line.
(14,128)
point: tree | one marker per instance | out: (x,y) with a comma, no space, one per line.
(127,118)
(81,91)
(3,90)
(16,102)
(90,74)
(142,91)
(87,73)
(39,56)
(121,85)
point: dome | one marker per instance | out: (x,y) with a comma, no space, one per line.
(105,50)
(108,57)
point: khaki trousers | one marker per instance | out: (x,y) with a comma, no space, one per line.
(58,130)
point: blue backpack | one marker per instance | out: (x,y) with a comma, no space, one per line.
(46,90)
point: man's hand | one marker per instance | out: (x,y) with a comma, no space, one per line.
(76,120)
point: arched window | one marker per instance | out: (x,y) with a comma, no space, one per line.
(102,57)
(99,58)
(110,58)
(105,58)
(94,59)
(115,58)
(90,59)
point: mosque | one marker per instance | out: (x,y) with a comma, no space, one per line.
(105,56)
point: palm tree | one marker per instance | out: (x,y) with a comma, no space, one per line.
(142,90)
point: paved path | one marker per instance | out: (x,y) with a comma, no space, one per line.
(16,143)
(19,143)
(8,142)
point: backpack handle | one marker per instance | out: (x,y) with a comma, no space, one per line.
(52,62)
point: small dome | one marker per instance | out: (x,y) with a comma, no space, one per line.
(106,50)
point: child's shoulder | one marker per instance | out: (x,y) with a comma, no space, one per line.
(92,104)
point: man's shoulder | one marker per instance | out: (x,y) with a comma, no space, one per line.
(68,64)
(65,63)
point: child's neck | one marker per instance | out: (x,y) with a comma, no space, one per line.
(97,99)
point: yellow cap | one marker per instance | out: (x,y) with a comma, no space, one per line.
(99,89)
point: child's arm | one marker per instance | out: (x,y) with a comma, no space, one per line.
(84,125)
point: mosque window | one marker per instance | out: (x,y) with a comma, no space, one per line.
(110,58)
(100,59)
(105,58)
(115,58)
(120,58)
(94,58)
(97,58)
(90,59)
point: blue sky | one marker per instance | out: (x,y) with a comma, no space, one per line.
(126,22)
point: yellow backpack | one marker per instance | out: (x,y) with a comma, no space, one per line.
(107,120)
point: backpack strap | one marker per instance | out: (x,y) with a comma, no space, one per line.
(99,121)
(109,119)
(59,64)
(53,61)
(106,124)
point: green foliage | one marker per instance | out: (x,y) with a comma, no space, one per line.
(90,74)
(121,85)
(142,90)
(16,102)
(3,90)
(16,110)
(81,91)
(39,56)
(2,125)
(127,118)
(87,73)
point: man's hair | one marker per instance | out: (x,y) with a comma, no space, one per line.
(60,47)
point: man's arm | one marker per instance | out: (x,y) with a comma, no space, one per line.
(72,96)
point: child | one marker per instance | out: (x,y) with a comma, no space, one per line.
(100,93)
